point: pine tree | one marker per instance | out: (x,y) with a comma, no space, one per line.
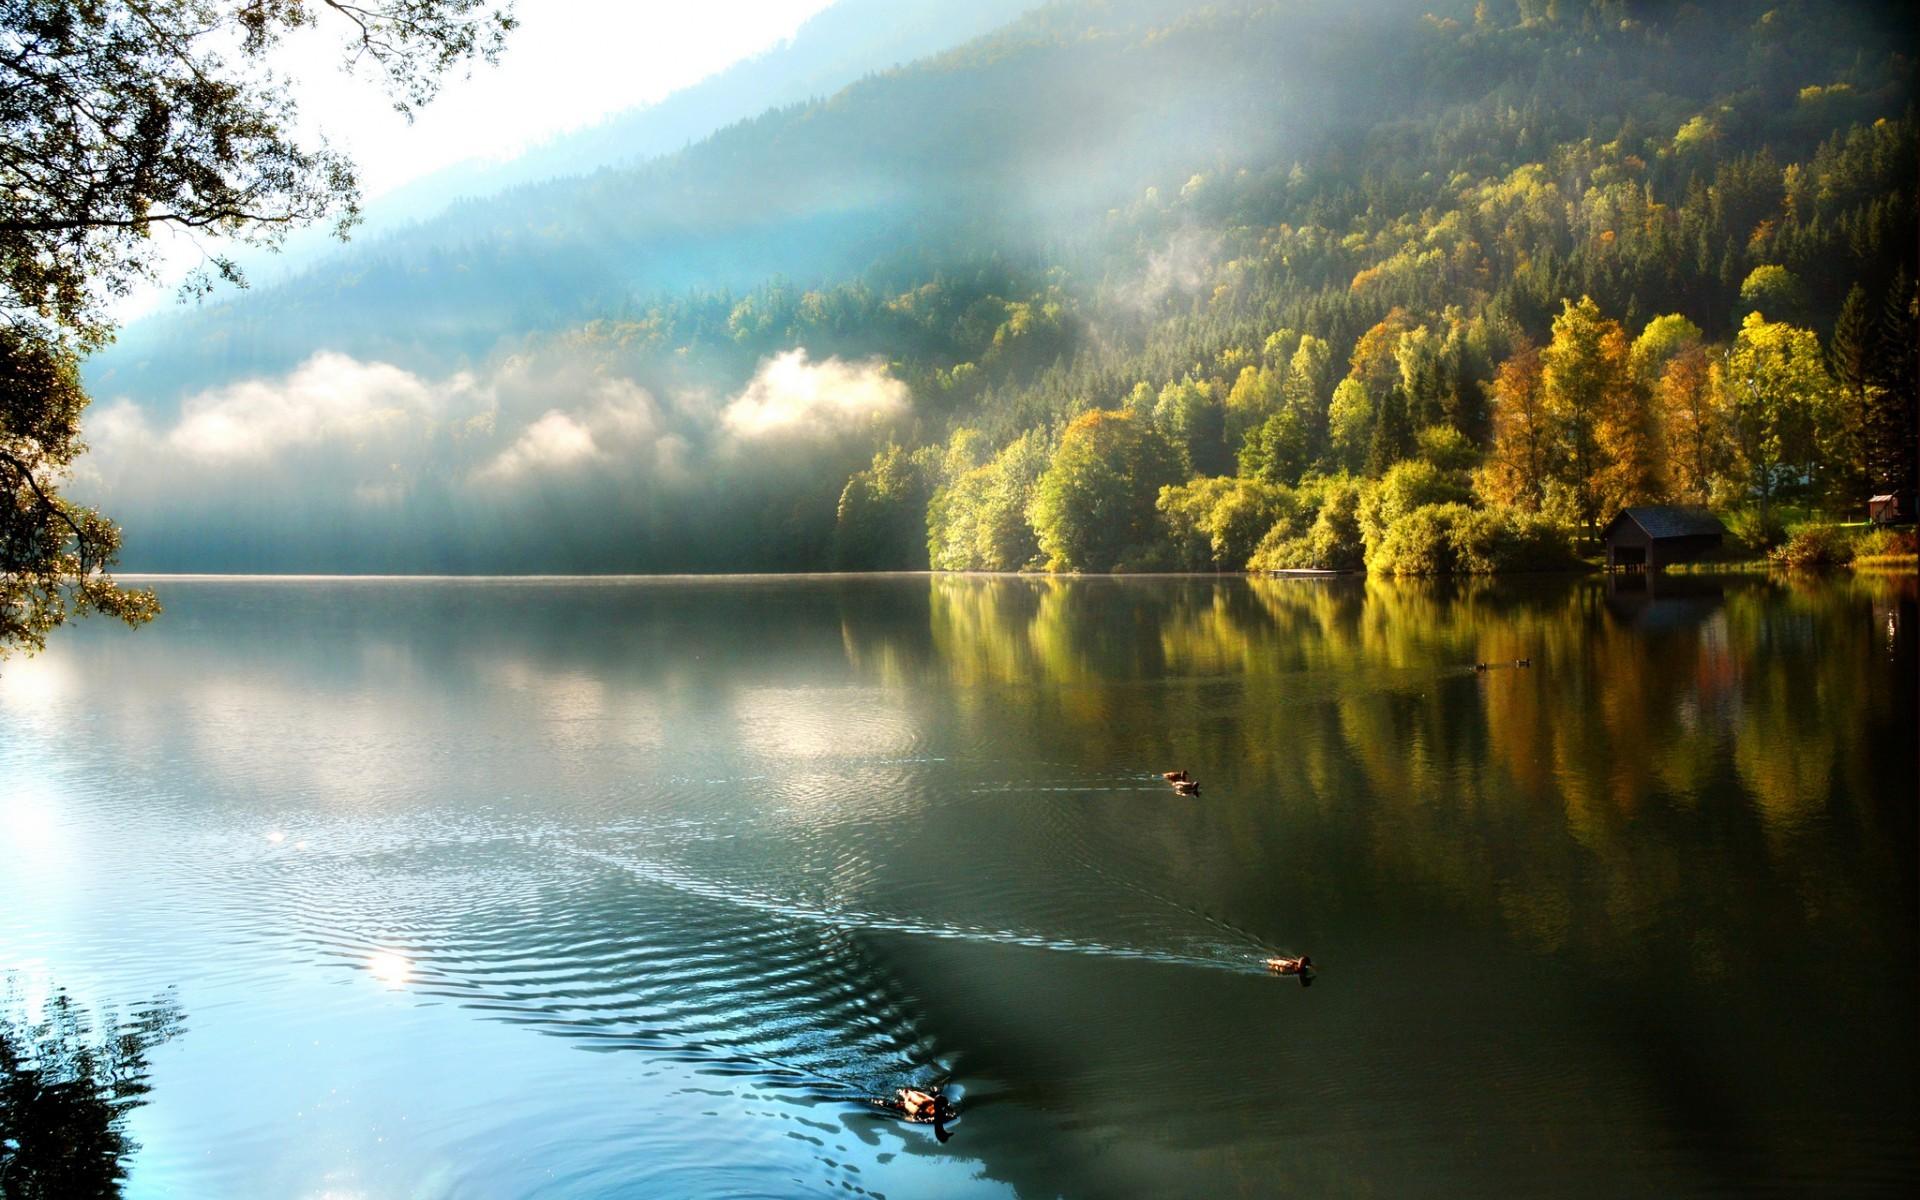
(1849,358)
(1392,433)
(1893,376)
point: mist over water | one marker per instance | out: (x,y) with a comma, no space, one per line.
(1635,918)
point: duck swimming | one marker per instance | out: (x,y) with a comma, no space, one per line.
(1186,787)
(1291,966)
(920,1106)
(1179,776)
(923,1106)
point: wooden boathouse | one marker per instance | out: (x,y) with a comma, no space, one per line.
(1646,539)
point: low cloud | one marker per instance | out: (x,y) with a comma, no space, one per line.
(329,398)
(1180,268)
(342,463)
(335,426)
(555,441)
(617,424)
(792,397)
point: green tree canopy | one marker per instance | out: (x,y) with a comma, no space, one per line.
(1095,506)
(1191,416)
(1406,486)
(1776,388)
(1662,338)
(978,522)
(1773,292)
(1349,425)
(1214,522)
(880,523)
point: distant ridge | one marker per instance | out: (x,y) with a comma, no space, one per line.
(836,46)
(848,40)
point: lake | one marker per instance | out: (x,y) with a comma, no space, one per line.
(570,888)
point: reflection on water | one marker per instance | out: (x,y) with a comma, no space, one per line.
(775,849)
(68,1083)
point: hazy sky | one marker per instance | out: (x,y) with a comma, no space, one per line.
(571,63)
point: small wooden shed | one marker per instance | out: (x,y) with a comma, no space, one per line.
(1889,509)
(1646,539)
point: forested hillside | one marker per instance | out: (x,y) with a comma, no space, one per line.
(1137,284)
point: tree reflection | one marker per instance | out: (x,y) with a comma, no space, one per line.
(1582,798)
(68,1082)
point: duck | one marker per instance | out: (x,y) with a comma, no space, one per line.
(1186,787)
(1522,662)
(1480,666)
(1179,776)
(1291,966)
(921,1105)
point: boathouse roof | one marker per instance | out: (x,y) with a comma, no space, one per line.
(1661,521)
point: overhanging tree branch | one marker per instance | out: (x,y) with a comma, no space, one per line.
(51,505)
(118,117)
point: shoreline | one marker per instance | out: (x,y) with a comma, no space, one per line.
(1739,567)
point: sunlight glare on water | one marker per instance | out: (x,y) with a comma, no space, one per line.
(389,968)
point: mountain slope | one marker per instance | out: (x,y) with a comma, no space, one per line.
(1012,141)
(844,42)
(1213,217)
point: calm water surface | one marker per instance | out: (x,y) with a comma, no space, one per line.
(569,889)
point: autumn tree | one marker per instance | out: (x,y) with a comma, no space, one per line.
(1374,362)
(1661,339)
(1517,469)
(1375,367)
(119,119)
(1632,459)
(1691,422)
(1596,410)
